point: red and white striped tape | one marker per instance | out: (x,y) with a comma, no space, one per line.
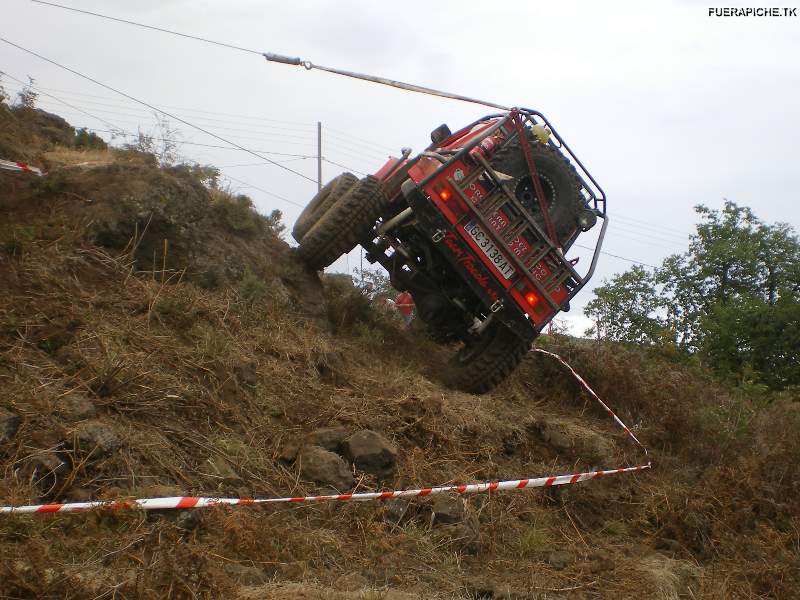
(9,165)
(179,502)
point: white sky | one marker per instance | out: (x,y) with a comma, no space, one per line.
(666,106)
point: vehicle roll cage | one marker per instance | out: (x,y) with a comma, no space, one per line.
(593,193)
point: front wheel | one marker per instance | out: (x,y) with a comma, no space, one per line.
(486,360)
(346,221)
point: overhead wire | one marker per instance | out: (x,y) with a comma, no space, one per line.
(251,51)
(172,116)
(64,102)
(121,103)
(630,260)
(153,27)
(260,189)
(343,166)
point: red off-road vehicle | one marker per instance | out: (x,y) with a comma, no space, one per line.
(476,228)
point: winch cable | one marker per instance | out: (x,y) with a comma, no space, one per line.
(307,64)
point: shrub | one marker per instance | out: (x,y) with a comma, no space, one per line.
(251,287)
(238,214)
(89,140)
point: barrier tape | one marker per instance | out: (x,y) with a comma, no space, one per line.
(181,502)
(9,165)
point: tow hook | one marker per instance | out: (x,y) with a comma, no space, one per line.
(438,236)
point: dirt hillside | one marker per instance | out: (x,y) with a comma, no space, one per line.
(158,338)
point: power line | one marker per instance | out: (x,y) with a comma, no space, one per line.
(260,189)
(65,103)
(108,87)
(161,139)
(153,27)
(278,135)
(651,224)
(343,166)
(630,260)
(652,241)
(183,108)
(261,163)
(343,136)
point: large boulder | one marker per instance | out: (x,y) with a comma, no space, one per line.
(325,467)
(371,452)
(330,438)
(96,438)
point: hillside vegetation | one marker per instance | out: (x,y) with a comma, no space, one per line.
(159,338)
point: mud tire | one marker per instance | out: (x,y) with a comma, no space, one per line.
(346,221)
(558,176)
(325,198)
(486,362)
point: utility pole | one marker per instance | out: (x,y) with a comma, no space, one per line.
(319,155)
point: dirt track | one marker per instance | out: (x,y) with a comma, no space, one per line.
(203,365)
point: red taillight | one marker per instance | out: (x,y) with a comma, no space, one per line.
(531,298)
(445,195)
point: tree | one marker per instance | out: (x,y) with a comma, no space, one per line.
(375,283)
(627,308)
(731,299)
(28,95)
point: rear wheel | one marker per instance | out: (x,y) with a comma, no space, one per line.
(486,361)
(347,220)
(561,185)
(328,195)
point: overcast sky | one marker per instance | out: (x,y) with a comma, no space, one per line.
(667,106)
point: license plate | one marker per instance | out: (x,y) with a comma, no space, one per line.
(489,248)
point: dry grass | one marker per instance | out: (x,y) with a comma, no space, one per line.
(207,386)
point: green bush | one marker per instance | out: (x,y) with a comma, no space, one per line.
(89,140)
(251,287)
(238,214)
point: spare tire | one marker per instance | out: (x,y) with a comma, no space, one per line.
(559,179)
(347,220)
(333,190)
(486,361)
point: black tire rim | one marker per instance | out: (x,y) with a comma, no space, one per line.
(525,192)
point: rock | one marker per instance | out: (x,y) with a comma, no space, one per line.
(288,452)
(447,509)
(330,438)
(45,470)
(96,438)
(323,466)
(75,407)
(9,423)
(397,509)
(554,434)
(465,535)
(371,452)
(560,559)
(221,470)
(188,520)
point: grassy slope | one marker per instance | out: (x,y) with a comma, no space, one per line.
(210,355)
